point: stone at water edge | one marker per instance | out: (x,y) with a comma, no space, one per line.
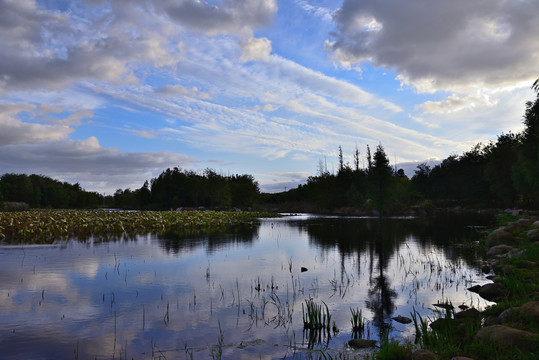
(474,288)
(500,236)
(498,250)
(361,343)
(506,336)
(402,319)
(492,292)
(468,313)
(533,235)
(530,309)
(422,354)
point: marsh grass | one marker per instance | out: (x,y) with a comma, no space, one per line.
(315,316)
(391,349)
(358,324)
(47,226)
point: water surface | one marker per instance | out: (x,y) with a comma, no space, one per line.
(237,294)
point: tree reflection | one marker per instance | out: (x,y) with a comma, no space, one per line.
(239,234)
(381,295)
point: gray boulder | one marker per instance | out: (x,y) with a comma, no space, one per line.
(361,343)
(500,236)
(493,292)
(423,354)
(498,250)
(530,310)
(533,235)
(506,336)
(402,319)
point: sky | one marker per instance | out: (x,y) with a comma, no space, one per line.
(109,94)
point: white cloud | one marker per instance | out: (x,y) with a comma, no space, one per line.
(255,49)
(14,131)
(441,44)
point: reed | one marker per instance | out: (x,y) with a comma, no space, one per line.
(358,325)
(315,316)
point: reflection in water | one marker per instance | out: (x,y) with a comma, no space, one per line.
(239,235)
(238,293)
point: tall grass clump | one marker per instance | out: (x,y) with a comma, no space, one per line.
(315,316)
(358,326)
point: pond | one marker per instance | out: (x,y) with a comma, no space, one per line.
(237,294)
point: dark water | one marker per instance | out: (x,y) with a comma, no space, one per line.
(235,295)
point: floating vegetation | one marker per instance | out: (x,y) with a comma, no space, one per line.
(42,227)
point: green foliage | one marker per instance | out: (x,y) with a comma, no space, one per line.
(391,349)
(176,188)
(39,191)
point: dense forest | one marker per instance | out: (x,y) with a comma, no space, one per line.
(502,173)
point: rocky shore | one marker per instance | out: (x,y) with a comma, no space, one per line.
(510,328)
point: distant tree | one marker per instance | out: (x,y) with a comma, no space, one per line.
(526,172)
(501,158)
(356,159)
(380,176)
(341,161)
(369,158)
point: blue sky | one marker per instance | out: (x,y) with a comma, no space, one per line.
(111,93)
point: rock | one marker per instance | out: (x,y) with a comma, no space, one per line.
(500,236)
(493,292)
(506,269)
(461,358)
(463,307)
(508,314)
(526,264)
(506,336)
(485,269)
(422,354)
(445,306)
(361,343)
(474,288)
(303,269)
(536,224)
(531,310)
(468,314)
(441,323)
(518,225)
(402,319)
(533,235)
(498,250)
(492,320)
(514,212)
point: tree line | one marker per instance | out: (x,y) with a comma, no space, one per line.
(172,189)
(177,188)
(38,191)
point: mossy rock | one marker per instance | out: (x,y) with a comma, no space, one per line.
(505,337)
(500,236)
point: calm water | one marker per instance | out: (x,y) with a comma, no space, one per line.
(234,295)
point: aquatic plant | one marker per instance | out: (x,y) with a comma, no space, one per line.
(358,326)
(315,316)
(49,226)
